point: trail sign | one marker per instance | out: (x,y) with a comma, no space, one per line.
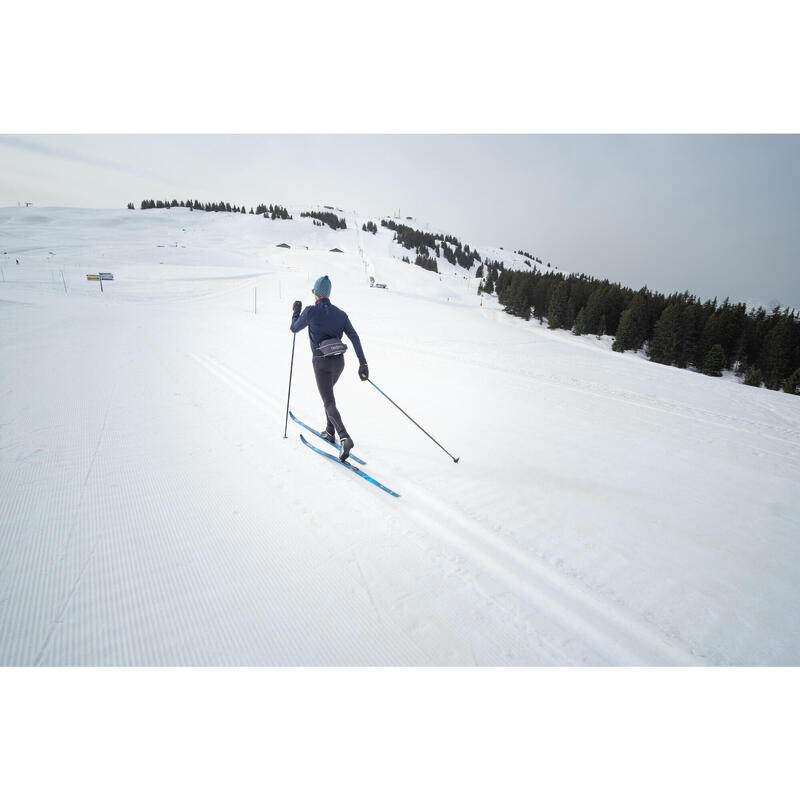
(99,277)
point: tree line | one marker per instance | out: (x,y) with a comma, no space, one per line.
(330,219)
(426,263)
(424,244)
(678,329)
(273,211)
(269,212)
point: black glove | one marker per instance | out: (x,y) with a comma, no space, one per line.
(297,307)
(363,372)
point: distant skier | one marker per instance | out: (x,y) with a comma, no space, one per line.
(326,324)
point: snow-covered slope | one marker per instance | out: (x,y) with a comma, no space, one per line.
(606,510)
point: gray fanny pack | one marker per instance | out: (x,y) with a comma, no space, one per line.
(332,347)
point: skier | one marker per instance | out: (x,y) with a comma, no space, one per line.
(326,324)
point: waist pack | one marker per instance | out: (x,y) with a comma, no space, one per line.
(332,347)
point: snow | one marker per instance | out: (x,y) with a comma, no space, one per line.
(605,510)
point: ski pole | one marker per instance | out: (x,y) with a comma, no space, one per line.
(291,367)
(455,460)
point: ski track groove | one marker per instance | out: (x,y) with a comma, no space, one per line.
(610,629)
(247,390)
(615,634)
(371,649)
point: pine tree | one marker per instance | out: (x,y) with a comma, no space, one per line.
(774,358)
(557,311)
(632,328)
(714,361)
(663,347)
(580,323)
(753,377)
(792,383)
(426,263)
(569,322)
(687,335)
(522,300)
(593,310)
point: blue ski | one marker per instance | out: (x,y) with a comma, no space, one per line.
(332,444)
(349,466)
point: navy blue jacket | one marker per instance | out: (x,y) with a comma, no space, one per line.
(326,321)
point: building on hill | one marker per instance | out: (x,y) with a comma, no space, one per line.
(283,244)
(336,250)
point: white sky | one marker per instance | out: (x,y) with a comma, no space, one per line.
(716,215)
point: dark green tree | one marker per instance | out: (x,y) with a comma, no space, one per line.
(664,346)
(580,323)
(792,383)
(687,335)
(775,357)
(753,377)
(557,310)
(714,361)
(632,329)
(426,263)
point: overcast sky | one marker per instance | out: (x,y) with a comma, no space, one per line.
(718,215)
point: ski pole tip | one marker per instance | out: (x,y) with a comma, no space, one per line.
(456,460)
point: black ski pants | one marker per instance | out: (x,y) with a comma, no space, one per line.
(327,372)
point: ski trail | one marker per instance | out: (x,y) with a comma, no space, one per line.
(614,634)
(240,385)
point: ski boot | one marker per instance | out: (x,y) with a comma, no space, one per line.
(347,445)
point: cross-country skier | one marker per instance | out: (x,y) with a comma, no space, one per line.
(326,324)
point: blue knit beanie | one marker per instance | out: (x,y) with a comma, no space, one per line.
(322,286)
